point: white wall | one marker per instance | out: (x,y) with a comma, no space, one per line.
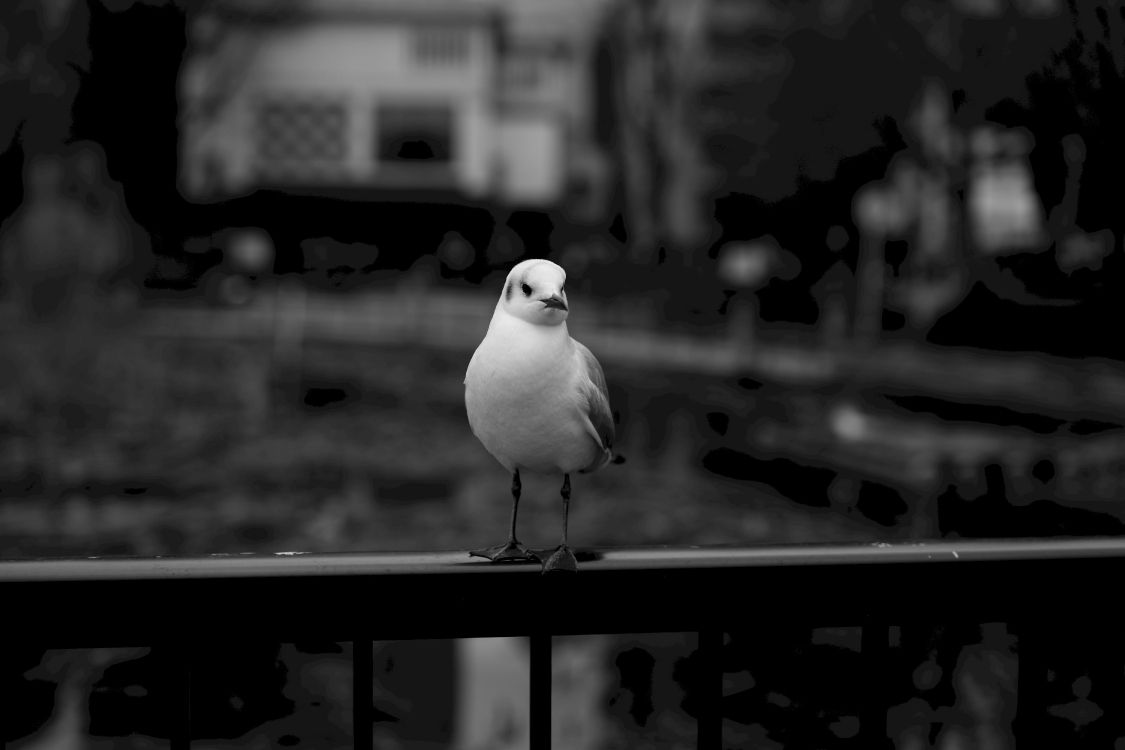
(475,145)
(367,55)
(531,152)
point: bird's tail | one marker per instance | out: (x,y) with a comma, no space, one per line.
(607,458)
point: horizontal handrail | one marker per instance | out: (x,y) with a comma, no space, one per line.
(397,595)
(595,562)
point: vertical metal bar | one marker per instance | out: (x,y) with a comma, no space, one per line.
(179,710)
(363,692)
(1031,684)
(875,651)
(709,718)
(540,697)
(6,678)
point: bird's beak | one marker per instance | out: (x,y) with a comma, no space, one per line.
(554,301)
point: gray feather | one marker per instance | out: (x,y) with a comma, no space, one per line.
(597,401)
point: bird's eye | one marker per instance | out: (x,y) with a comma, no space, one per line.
(526,290)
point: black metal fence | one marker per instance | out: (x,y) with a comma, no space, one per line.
(1049,592)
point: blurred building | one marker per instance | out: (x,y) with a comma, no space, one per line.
(484,99)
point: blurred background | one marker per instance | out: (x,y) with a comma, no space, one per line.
(851,268)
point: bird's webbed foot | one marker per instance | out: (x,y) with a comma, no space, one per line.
(561,560)
(509,552)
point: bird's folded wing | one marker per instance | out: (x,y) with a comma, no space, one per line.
(593,385)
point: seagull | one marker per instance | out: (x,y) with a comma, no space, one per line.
(536,398)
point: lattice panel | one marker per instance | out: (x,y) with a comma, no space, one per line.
(301,137)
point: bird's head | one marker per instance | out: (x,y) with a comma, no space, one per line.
(534,292)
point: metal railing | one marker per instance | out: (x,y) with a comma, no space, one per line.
(1038,587)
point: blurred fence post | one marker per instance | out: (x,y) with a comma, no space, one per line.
(869,297)
(876,210)
(290,313)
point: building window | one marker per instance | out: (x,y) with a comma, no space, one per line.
(296,135)
(414,133)
(437,46)
(523,76)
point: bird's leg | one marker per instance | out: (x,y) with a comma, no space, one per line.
(512,550)
(565,492)
(517,489)
(563,558)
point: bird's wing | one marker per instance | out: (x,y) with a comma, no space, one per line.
(599,418)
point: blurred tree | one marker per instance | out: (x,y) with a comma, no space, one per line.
(65,247)
(43,57)
(632,45)
(70,233)
(1079,87)
(661,64)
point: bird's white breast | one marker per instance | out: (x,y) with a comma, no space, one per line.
(523,400)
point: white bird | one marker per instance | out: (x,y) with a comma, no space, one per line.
(536,398)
